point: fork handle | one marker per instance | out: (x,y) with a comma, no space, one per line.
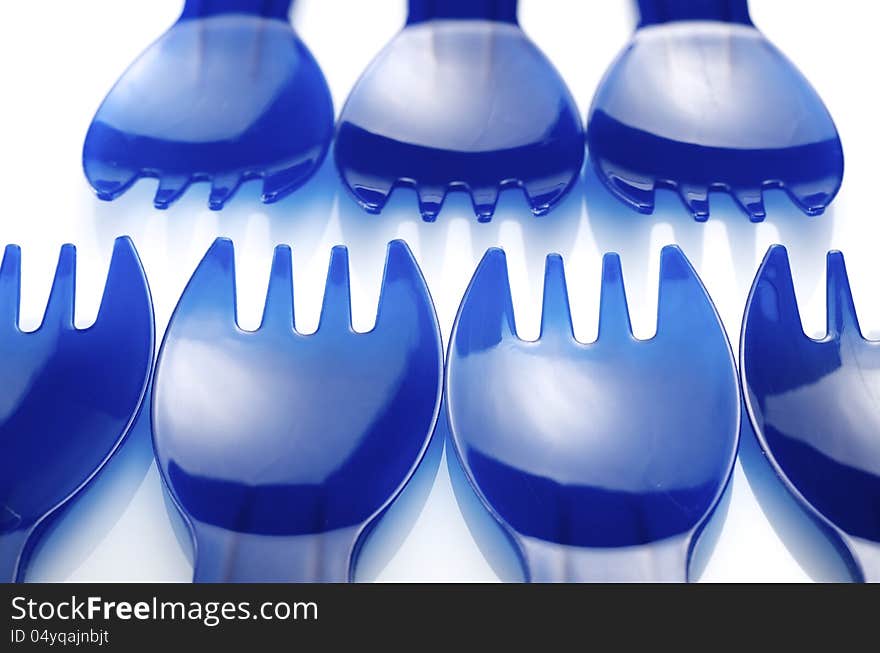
(656,12)
(496,10)
(224,556)
(659,562)
(12,552)
(265,8)
(868,556)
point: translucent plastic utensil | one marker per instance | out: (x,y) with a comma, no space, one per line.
(460,99)
(601,461)
(68,396)
(701,101)
(283,449)
(814,406)
(228,94)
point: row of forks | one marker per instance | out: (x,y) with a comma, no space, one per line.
(602,461)
(699,100)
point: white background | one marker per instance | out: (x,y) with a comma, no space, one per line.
(60,58)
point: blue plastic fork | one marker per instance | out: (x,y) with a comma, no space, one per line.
(282,449)
(228,94)
(68,396)
(460,99)
(814,406)
(701,101)
(602,461)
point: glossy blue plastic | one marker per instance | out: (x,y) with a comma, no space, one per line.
(602,461)
(228,94)
(69,396)
(813,405)
(282,449)
(461,99)
(701,101)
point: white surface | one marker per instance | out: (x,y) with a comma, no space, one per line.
(60,58)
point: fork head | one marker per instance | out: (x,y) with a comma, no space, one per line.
(69,395)
(701,101)
(618,443)
(229,94)
(273,433)
(461,99)
(813,403)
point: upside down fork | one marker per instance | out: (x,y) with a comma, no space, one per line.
(229,94)
(700,100)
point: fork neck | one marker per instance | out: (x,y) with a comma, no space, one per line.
(265,8)
(13,548)
(224,556)
(496,10)
(656,12)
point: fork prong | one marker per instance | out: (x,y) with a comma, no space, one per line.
(431,200)
(841,310)
(752,202)
(373,198)
(485,200)
(10,286)
(683,306)
(486,314)
(171,187)
(336,309)
(773,303)
(542,196)
(613,312)
(404,292)
(210,294)
(278,312)
(696,198)
(223,187)
(59,310)
(109,182)
(638,193)
(279,184)
(813,198)
(125,274)
(556,312)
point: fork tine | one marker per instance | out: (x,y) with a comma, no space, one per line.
(336,310)
(683,306)
(841,309)
(10,287)
(171,187)
(223,187)
(210,293)
(486,314)
(431,200)
(109,182)
(484,200)
(773,302)
(124,275)
(278,312)
(541,196)
(640,194)
(373,198)
(696,198)
(815,197)
(403,288)
(752,201)
(613,312)
(277,185)
(59,310)
(556,312)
